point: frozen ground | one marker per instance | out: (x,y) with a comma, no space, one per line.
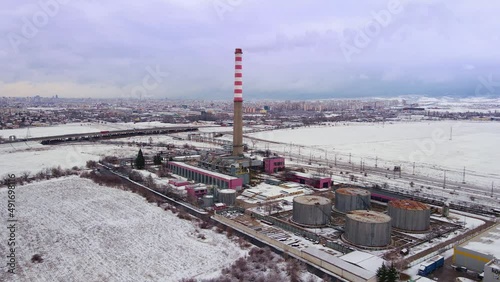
(427,144)
(86,232)
(34,157)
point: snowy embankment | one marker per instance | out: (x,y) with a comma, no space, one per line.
(87,232)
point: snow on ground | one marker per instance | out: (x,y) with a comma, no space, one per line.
(74,128)
(425,144)
(34,157)
(413,271)
(473,144)
(86,232)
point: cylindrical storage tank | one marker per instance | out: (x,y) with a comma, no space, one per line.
(311,210)
(409,215)
(227,196)
(350,199)
(208,201)
(368,228)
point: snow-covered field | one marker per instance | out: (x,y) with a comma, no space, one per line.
(34,157)
(473,145)
(86,232)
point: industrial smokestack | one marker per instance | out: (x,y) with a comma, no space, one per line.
(238,101)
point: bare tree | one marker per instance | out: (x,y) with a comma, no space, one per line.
(26,176)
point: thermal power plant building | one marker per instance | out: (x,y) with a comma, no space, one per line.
(368,228)
(350,199)
(409,215)
(311,210)
(238,103)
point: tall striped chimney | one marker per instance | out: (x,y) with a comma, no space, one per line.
(238,101)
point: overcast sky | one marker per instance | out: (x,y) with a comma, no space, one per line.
(291,49)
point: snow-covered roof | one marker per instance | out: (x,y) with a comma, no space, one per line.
(364,260)
(223,176)
(486,243)
(338,262)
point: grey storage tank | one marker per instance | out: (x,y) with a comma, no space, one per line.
(311,210)
(208,201)
(368,228)
(409,215)
(350,199)
(227,196)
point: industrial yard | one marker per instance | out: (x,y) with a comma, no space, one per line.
(346,204)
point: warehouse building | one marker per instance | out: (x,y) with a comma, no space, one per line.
(274,164)
(315,181)
(205,176)
(479,251)
(492,271)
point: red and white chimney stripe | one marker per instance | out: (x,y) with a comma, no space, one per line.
(238,75)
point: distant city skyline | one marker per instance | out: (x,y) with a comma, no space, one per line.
(291,49)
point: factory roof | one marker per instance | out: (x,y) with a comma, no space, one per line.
(368,216)
(344,265)
(217,174)
(309,176)
(312,200)
(353,191)
(364,260)
(408,205)
(487,242)
(227,191)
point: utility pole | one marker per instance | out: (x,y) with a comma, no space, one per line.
(492,189)
(349,157)
(444,180)
(376,161)
(463,178)
(335,159)
(413,168)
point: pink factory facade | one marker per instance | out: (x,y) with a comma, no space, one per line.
(205,176)
(274,164)
(314,181)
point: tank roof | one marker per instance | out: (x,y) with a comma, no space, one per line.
(312,200)
(368,216)
(353,191)
(408,205)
